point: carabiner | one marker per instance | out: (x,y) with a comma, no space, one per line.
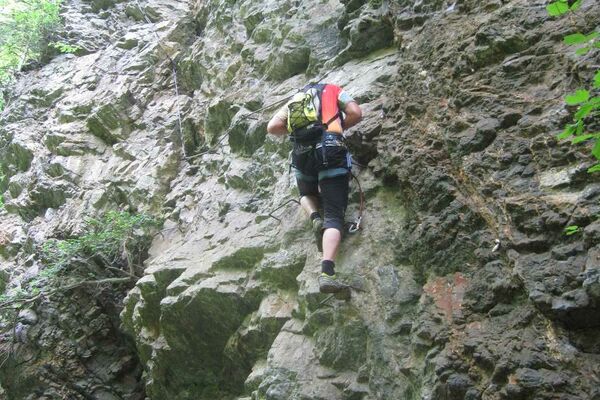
(355,227)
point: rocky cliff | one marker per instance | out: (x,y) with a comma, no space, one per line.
(465,286)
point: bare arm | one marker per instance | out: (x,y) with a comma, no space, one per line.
(353,114)
(277,126)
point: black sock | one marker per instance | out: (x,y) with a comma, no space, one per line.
(327,267)
(315,215)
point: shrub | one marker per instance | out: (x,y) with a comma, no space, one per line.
(588,106)
(25,28)
(109,251)
(112,239)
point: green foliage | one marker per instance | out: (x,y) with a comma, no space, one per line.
(14,294)
(595,168)
(60,252)
(561,7)
(583,138)
(25,26)
(35,286)
(588,106)
(571,230)
(65,47)
(557,8)
(108,238)
(580,39)
(578,97)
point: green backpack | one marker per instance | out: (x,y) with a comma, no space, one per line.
(304,116)
(303,109)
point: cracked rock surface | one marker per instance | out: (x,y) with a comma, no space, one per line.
(465,286)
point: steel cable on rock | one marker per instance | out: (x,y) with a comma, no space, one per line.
(174,73)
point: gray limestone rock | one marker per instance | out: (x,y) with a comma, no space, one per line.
(464,285)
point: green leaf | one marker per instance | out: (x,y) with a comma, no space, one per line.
(597,80)
(582,51)
(576,38)
(578,97)
(584,111)
(569,131)
(580,127)
(592,36)
(583,138)
(571,230)
(595,168)
(64,47)
(575,6)
(557,8)
(596,150)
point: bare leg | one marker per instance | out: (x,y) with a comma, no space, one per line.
(310,204)
(331,242)
(327,280)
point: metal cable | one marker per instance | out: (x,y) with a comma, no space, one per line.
(174,72)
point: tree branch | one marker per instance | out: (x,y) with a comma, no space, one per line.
(22,302)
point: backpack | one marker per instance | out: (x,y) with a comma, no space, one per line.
(303,109)
(304,116)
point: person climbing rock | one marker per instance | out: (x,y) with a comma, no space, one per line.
(315,119)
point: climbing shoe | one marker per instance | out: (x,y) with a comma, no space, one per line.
(317,227)
(329,284)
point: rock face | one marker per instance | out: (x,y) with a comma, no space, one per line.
(465,286)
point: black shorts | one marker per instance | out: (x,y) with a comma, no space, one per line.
(329,182)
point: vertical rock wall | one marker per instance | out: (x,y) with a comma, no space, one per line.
(465,285)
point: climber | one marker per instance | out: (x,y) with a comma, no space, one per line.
(316,118)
